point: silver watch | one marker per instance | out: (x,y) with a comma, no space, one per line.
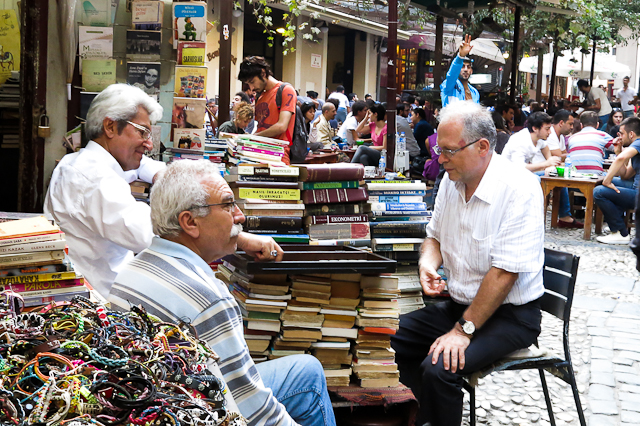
(467,326)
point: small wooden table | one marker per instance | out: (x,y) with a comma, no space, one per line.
(583,185)
(322,158)
(349,152)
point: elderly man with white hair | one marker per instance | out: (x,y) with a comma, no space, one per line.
(89,194)
(196,220)
(487,230)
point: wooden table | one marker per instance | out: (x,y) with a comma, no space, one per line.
(348,152)
(583,185)
(322,158)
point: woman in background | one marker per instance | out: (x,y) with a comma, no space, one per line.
(376,122)
(242,117)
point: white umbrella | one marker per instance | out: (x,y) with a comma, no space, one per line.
(606,65)
(481,47)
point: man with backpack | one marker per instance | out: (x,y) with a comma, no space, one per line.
(276,107)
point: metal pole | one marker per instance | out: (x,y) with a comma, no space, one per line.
(593,62)
(437,68)
(225,61)
(552,88)
(392,47)
(514,55)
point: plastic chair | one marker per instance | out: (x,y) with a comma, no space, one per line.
(560,271)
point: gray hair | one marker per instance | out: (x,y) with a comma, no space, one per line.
(178,188)
(120,103)
(476,120)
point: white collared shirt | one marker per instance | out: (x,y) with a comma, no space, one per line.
(90,199)
(520,148)
(553,142)
(502,226)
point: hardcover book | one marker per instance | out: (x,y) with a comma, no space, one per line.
(189,138)
(333,209)
(264,171)
(346,218)
(189,22)
(190,82)
(143,44)
(95,43)
(330,185)
(282,222)
(191,53)
(98,74)
(340,231)
(145,76)
(414,229)
(331,172)
(320,196)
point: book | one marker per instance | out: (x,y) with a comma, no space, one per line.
(189,138)
(268,148)
(290,238)
(248,179)
(330,185)
(339,231)
(96,12)
(395,193)
(398,214)
(349,333)
(32,239)
(37,278)
(323,196)
(145,76)
(331,219)
(147,15)
(31,259)
(413,229)
(27,227)
(267,193)
(264,171)
(276,223)
(189,22)
(31,301)
(191,53)
(398,207)
(188,113)
(396,199)
(94,43)
(254,204)
(98,74)
(334,209)
(190,81)
(34,247)
(331,172)
(43,286)
(279,185)
(363,242)
(143,44)
(396,186)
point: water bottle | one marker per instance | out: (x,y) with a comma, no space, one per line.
(382,164)
(567,166)
(402,142)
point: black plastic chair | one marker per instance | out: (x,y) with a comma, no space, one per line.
(560,271)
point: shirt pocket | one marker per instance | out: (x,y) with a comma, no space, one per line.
(480,254)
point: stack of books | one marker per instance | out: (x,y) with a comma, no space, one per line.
(262,299)
(269,197)
(10,91)
(33,262)
(211,154)
(334,198)
(374,361)
(140,190)
(251,149)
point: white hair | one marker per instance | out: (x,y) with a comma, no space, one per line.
(178,188)
(120,103)
(476,120)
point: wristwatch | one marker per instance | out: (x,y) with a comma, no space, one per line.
(467,326)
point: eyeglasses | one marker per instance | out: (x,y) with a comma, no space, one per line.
(451,152)
(144,132)
(229,206)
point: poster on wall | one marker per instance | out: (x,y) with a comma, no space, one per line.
(189,22)
(145,76)
(9,42)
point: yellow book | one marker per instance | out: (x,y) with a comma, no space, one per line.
(25,227)
(190,81)
(268,193)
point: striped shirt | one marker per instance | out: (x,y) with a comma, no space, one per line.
(175,284)
(502,226)
(586,149)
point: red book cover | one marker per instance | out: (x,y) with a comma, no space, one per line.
(331,172)
(343,195)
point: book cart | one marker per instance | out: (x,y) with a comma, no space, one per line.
(353,404)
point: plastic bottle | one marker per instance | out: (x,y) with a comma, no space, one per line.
(567,166)
(402,142)
(382,164)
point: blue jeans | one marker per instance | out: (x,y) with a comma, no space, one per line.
(299,384)
(627,114)
(613,204)
(341,114)
(564,209)
(604,119)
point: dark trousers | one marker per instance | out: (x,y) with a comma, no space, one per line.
(439,391)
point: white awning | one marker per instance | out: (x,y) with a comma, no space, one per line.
(606,66)
(481,47)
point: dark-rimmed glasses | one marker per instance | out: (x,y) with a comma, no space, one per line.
(451,152)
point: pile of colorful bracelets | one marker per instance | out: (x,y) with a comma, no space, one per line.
(78,363)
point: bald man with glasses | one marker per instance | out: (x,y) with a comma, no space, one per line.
(487,231)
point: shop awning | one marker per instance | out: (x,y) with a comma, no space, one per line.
(571,65)
(481,47)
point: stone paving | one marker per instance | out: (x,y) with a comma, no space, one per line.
(604,338)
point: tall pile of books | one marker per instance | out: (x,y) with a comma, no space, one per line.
(33,262)
(378,318)
(269,197)
(262,299)
(334,200)
(252,149)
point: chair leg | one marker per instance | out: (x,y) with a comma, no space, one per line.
(472,406)
(576,395)
(552,419)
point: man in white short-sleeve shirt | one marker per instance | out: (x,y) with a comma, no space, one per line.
(523,146)
(626,96)
(596,101)
(348,129)
(487,231)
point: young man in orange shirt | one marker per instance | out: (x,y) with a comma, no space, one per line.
(273,122)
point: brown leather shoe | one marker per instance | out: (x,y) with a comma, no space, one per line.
(574,224)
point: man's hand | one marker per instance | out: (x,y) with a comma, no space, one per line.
(452,347)
(465,46)
(617,145)
(553,161)
(432,283)
(260,247)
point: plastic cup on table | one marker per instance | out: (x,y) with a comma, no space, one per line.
(560,170)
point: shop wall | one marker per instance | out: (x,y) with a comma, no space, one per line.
(365,66)
(298,69)
(335,59)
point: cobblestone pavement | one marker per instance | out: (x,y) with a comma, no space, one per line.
(604,337)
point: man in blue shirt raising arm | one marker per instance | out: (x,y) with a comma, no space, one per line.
(456,86)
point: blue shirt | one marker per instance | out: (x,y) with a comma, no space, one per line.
(452,88)
(422,131)
(635,162)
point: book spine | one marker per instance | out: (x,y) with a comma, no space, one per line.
(43,256)
(395,199)
(45,300)
(330,173)
(273,185)
(36,270)
(403,255)
(44,285)
(34,247)
(260,151)
(340,231)
(398,213)
(334,209)
(271,213)
(269,193)
(241,178)
(394,229)
(50,291)
(331,185)
(263,146)
(258,156)
(396,193)
(265,171)
(32,239)
(275,231)
(396,187)
(35,278)
(401,207)
(349,218)
(365,242)
(319,196)
(396,247)
(267,223)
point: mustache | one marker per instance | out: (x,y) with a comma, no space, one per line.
(235,230)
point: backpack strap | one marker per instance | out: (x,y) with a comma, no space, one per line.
(279,94)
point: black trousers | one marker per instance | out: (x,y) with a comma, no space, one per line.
(439,391)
